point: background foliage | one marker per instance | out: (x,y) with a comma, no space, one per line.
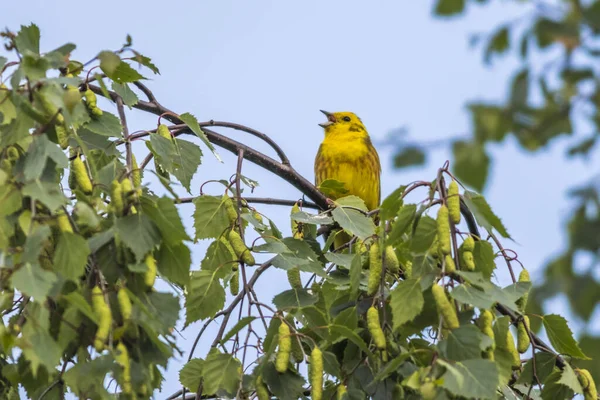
(554,93)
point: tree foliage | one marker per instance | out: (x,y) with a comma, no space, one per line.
(408,309)
(553,94)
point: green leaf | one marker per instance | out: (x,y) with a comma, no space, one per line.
(464,343)
(28,39)
(166,217)
(473,296)
(554,390)
(484,258)
(345,333)
(210,217)
(471,379)
(71,255)
(204,296)
(294,253)
(410,156)
(219,258)
(35,243)
(484,214)
(241,324)
(124,73)
(294,298)
(106,125)
(406,302)
(163,149)
(471,163)
(221,373)
(129,97)
(569,379)
(490,122)
(306,218)
(561,337)
(48,193)
(40,150)
(424,234)
(544,364)
(406,216)
(354,222)
(186,162)
(351,201)
(449,7)
(332,188)
(88,377)
(520,89)
(108,62)
(190,375)
(33,281)
(343,260)
(286,386)
(41,349)
(7,108)
(174,261)
(79,303)
(138,233)
(391,204)
(193,124)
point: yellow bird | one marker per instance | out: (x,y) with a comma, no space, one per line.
(347,155)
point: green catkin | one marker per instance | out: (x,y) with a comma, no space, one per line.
(150,275)
(64,225)
(407,269)
(391,260)
(104,315)
(486,318)
(444,307)
(81,177)
(136,175)
(443,230)
(261,389)
(522,302)
(450,266)
(468,261)
(116,197)
(523,340)
(122,358)
(124,304)
(468,244)
(316,373)
(509,345)
(232,214)
(240,248)
(164,132)
(223,239)
(293,275)
(285,347)
(453,202)
(341,391)
(91,103)
(587,383)
(296,226)
(375,328)
(62,135)
(375,268)
(434,250)
(234,283)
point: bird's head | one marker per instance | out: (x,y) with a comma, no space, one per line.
(342,122)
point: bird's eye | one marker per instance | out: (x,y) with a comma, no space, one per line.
(346,118)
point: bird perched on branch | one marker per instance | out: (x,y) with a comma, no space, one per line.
(347,155)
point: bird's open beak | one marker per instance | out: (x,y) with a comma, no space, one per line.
(330,119)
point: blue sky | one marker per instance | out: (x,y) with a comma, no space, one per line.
(272,65)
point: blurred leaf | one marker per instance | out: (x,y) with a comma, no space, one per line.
(498,44)
(88,376)
(406,216)
(544,364)
(28,39)
(409,157)
(204,296)
(190,375)
(332,188)
(484,258)
(424,234)
(306,218)
(71,255)
(108,62)
(123,73)
(520,89)
(354,222)
(473,296)
(166,217)
(406,302)
(210,216)
(47,193)
(471,164)
(40,349)
(548,31)
(449,7)
(286,386)
(351,201)
(241,324)
(391,204)
(561,337)
(106,125)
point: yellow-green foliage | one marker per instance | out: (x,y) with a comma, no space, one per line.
(122,358)
(104,315)
(587,383)
(391,260)
(316,373)
(453,202)
(443,230)
(81,177)
(375,268)
(523,340)
(240,249)
(150,275)
(285,347)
